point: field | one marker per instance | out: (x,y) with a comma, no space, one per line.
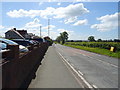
(98,47)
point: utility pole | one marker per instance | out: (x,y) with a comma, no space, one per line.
(40,31)
(48,27)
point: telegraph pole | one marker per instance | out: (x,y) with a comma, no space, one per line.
(40,31)
(48,27)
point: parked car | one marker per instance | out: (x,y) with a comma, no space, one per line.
(34,41)
(2,46)
(23,42)
(5,42)
(38,39)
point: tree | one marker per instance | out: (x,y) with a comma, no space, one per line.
(99,40)
(62,38)
(58,39)
(91,38)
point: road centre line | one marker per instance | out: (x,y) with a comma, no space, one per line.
(106,62)
(89,86)
(99,60)
(94,58)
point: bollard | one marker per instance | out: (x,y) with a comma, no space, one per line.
(14,51)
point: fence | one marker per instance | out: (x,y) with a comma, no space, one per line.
(20,69)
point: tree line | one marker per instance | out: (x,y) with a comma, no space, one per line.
(64,37)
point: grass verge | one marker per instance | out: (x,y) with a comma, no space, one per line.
(97,50)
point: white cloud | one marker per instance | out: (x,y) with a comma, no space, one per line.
(70,32)
(49,11)
(4,29)
(58,3)
(70,11)
(70,20)
(40,3)
(108,22)
(33,24)
(1,27)
(23,13)
(62,30)
(51,27)
(81,22)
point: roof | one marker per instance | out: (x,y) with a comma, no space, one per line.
(15,32)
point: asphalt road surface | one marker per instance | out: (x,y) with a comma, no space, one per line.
(54,73)
(99,70)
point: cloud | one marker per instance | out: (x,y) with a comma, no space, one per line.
(35,23)
(70,20)
(50,27)
(40,3)
(70,11)
(81,22)
(49,11)
(1,27)
(4,29)
(107,22)
(23,13)
(62,30)
(58,3)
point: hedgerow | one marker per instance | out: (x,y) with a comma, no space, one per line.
(104,45)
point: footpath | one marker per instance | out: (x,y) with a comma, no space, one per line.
(53,73)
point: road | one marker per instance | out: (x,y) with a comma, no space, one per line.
(54,73)
(98,70)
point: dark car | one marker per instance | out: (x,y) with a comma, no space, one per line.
(2,46)
(38,40)
(5,42)
(34,41)
(23,42)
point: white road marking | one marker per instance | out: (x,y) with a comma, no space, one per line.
(95,86)
(89,86)
(99,60)
(106,62)
(80,72)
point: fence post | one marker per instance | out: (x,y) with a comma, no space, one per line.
(14,51)
(31,47)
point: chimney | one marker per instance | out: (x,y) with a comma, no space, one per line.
(14,29)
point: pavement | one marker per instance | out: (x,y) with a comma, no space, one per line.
(53,73)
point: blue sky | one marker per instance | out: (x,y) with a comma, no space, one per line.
(79,19)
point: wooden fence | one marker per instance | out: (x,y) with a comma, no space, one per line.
(18,70)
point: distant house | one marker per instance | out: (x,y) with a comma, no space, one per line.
(18,34)
(13,34)
(30,35)
(22,32)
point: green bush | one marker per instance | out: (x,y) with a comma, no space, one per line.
(103,45)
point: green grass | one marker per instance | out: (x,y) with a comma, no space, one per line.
(97,50)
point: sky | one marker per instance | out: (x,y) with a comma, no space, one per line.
(79,19)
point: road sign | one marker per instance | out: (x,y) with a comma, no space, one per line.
(112,49)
